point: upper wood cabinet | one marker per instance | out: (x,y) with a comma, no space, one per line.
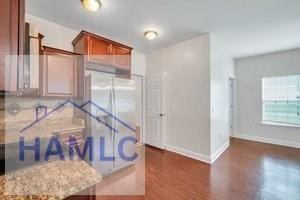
(12,14)
(60,73)
(121,57)
(100,50)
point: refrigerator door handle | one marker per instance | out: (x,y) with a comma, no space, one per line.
(111,121)
(113,114)
(114,105)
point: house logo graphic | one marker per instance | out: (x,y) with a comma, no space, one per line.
(80,107)
(88,144)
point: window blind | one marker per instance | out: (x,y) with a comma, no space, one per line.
(281,99)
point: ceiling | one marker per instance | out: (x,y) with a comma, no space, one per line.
(175,20)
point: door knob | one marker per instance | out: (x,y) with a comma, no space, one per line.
(161,115)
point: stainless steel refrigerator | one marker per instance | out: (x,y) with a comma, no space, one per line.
(112,110)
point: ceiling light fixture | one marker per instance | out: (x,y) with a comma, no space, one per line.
(91,5)
(150,35)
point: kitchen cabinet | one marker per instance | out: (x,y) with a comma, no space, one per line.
(86,194)
(60,73)
(100,50)
(121,57)
(12,14)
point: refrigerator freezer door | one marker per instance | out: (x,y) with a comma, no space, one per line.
(101,98)
(124,95)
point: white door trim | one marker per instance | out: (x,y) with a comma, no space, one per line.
(164,129)
(143,109)
(231,104)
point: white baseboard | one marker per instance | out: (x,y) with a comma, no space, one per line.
(267,140)
(188,153)
(219,152)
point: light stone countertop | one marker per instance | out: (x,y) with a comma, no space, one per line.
(10,133)
(53,180)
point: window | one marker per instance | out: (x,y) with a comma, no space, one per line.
(281,99)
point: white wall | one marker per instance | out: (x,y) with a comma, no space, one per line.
(249,73)
(61,37)
(186,66)
(221,70)
(56,35)
(225,47)
(138,63)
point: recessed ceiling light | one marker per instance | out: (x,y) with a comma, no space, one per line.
(150,35)
(91,5)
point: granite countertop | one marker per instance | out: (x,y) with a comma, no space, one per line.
(10,133)
(52,180)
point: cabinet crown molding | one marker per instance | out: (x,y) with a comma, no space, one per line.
(85,33)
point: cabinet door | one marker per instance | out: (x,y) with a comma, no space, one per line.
(121,57)
(60,75)
(11,37)
(98,51)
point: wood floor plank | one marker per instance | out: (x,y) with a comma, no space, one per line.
(246,170)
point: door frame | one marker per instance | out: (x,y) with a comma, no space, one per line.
(142,139)
(231,104)
(164,129)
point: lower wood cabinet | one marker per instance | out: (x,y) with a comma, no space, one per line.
(60,73)
(87,194)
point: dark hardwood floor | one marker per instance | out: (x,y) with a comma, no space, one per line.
(247,170)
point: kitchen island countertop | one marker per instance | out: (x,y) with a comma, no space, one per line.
(51,180)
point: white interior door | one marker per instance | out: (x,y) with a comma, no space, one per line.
(155,115)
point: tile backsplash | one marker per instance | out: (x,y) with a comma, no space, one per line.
(20,110)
